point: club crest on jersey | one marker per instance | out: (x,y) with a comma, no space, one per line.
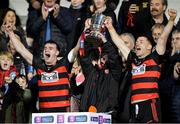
(137,70)
(49,77)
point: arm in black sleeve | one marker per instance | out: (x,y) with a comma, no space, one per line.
(114,62)
(122,16)
(86,63)
(37,25)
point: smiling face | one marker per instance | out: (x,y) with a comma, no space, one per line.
(10,18)
(5,62)
(50,53)
(49,3)
(157,7)
(142,47)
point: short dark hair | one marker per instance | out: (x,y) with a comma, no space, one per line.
(149,38)
(59,46)
(52,42)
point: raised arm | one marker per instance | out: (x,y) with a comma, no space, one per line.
(116,39)
(19,46)
(161,43)
(74,52)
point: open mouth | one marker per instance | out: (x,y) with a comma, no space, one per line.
(137,49)
(47,55)
(11,22)
(5,64)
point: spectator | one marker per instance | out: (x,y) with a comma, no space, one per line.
(7,70)
(14,101)
(174,73)
(110,3)
(23,84)
(10,17)
(169,84)
(34,7)
(100,6)
(130,17)
(59,21)
(157,9)
(157,30)
(78,11)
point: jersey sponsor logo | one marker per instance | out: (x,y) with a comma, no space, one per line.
(49,77)
(137,70)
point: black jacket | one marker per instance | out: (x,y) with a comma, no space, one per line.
(139,20)
(61,26)
(101,85)
(79,17)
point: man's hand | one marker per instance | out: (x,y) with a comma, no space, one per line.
(56,9)
(172,13)
(45,12)
(177,70)
(100,36)
(108,23)
(88,24)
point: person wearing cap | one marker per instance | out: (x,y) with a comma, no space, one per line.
(53,82)
(145,71)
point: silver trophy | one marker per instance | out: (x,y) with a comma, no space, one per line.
(97,22)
